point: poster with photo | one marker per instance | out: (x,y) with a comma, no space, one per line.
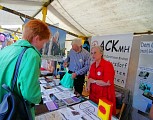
(143,92)
(56,45)
(117,52)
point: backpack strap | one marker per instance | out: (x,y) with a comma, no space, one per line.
(15,75)
(6,87)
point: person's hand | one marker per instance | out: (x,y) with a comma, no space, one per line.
(87,88)
(89,81)
(101,83)
(74,75)
(65,64)
(108,83)
(50,68)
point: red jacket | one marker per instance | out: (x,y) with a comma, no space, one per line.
(105,71)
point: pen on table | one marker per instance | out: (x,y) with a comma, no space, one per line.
(71,107)
(64,116)
(83,118)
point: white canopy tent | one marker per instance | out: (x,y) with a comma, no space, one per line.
(88,18)
(85,17)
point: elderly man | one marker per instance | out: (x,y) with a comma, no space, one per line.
(78,62)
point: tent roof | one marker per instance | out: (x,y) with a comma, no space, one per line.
(86,17)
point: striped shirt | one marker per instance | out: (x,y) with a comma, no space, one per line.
(78,61)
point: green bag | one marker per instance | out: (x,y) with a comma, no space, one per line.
(67,80)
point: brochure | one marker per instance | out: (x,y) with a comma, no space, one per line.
(57,102)
(72,100)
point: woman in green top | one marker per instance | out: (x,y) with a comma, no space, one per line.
(35,34)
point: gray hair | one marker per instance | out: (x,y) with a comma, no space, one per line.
(77,42)
(99,47)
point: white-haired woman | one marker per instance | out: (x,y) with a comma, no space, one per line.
(101,78)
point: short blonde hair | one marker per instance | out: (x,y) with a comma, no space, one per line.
(77,41)
(36,27)
(99,48)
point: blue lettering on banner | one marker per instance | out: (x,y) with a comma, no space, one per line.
(151,51)
(144,44)
(145,51)
(152,44)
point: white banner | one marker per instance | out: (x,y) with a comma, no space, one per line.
(117,50)
(143,92)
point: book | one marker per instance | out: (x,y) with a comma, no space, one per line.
(51,106)
(105,109)
(59,103)
(72,100)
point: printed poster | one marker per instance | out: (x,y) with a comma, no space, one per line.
(56,45)
(117,49)
(143,92)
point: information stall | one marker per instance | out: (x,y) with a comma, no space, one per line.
(61,103)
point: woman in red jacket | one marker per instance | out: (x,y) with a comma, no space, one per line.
(101,78)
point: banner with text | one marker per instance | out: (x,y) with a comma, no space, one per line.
(117,50)
(143,92)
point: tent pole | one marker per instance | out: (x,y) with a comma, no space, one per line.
(15,12)
(148,32)
(10,30)
(44,13)
(29,17)
(44,5)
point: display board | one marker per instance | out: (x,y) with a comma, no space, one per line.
(56,45)
(142,99)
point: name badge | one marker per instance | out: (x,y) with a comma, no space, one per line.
(98,73)
(80,60)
